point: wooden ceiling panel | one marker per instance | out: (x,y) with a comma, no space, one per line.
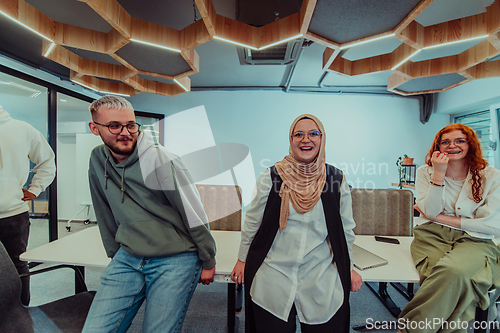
(170,52)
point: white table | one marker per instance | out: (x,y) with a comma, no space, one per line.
(85,248)
(400,269)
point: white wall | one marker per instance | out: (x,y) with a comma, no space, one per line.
(365,134)
(475,94)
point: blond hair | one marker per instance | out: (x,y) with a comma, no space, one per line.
(109,102)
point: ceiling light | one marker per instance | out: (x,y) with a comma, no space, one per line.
(83,85)
(236,43)
(180,85)
(156,45)
(100,91)
(408,58)
(281,41)
(24,25)
(49,49)
(366,41)
(62,100)
(455,42)
(113,93)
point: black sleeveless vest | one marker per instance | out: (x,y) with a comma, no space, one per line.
(264,238)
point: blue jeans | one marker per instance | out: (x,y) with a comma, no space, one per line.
(166,283)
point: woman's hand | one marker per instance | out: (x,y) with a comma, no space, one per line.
(238,273)
(420,211)
(440,164)
(356,281)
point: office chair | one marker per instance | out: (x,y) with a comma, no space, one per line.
(63,315)
(222,204)
(384,212)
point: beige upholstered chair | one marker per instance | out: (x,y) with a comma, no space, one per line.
(384,212)
(222,204)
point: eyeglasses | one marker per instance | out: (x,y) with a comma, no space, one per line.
(457,142)
(313,136)
(116,129)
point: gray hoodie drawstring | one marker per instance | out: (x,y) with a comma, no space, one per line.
(106,174)
(123,180)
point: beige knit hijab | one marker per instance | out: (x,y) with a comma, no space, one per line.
(302,182)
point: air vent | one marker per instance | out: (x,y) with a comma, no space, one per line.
(282,54)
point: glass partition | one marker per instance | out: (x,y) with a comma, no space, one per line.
(480,122)
(73,116)
(28,102)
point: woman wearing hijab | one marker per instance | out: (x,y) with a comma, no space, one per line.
(455,246)
(296,241)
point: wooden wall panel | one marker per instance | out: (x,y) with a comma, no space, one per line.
(113,13)
(306,12)
(80,38)
(485,70)
(193,35)
(115,41)
(413,35)
(208,15)
(411,16)
(155,34)
(236,31)
(279,30)
(370,65)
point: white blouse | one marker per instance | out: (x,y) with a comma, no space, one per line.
(298,267)
(480,219)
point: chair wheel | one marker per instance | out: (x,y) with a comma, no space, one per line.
(86,222)
(68,229)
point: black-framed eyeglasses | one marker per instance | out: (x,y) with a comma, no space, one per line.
(116,129)
(457,142)
(312,135)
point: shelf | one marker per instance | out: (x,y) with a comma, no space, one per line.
(404,185)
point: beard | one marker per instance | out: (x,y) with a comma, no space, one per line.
(120,149)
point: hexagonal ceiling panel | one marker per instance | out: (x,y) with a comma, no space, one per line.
(432,82)
(103,42)
(101,57)
(343,21)
(72,12)
(152,59)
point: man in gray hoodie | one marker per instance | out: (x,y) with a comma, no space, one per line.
(19,143)
(152,225)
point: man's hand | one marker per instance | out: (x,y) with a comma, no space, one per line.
(207,276)
(27,195)
(356,281)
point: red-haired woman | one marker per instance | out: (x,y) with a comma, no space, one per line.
(455,247)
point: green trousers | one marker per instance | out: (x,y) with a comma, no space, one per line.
(456,271)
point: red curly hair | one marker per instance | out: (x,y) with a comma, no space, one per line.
(474,156)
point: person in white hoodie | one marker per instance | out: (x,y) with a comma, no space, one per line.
(19,143)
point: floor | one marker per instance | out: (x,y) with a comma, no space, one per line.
(57,284)
(207,311)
